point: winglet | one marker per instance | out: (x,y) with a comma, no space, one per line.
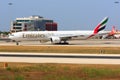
(101,25)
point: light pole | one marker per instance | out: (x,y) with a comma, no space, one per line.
(10,4)
(116,2)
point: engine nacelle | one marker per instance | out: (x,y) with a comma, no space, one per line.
(55,40)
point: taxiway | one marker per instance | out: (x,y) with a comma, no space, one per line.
(60,58)
(63,58)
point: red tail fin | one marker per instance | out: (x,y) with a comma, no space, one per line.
(113,31)
(99,27)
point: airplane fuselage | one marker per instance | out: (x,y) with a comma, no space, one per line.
(46,35)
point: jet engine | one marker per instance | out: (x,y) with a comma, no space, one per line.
(55,40)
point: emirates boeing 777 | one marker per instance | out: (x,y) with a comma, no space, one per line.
(58,37)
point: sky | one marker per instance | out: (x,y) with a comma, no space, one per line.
(69,14)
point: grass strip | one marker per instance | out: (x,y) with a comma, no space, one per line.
(61,49)
(22,71)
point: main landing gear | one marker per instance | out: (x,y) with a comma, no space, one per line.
(63,43)
(17,43)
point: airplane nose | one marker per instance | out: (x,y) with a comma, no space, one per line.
(11,36)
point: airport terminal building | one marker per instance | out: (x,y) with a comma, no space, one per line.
(33,23)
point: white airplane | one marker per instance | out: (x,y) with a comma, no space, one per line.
(58,37)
